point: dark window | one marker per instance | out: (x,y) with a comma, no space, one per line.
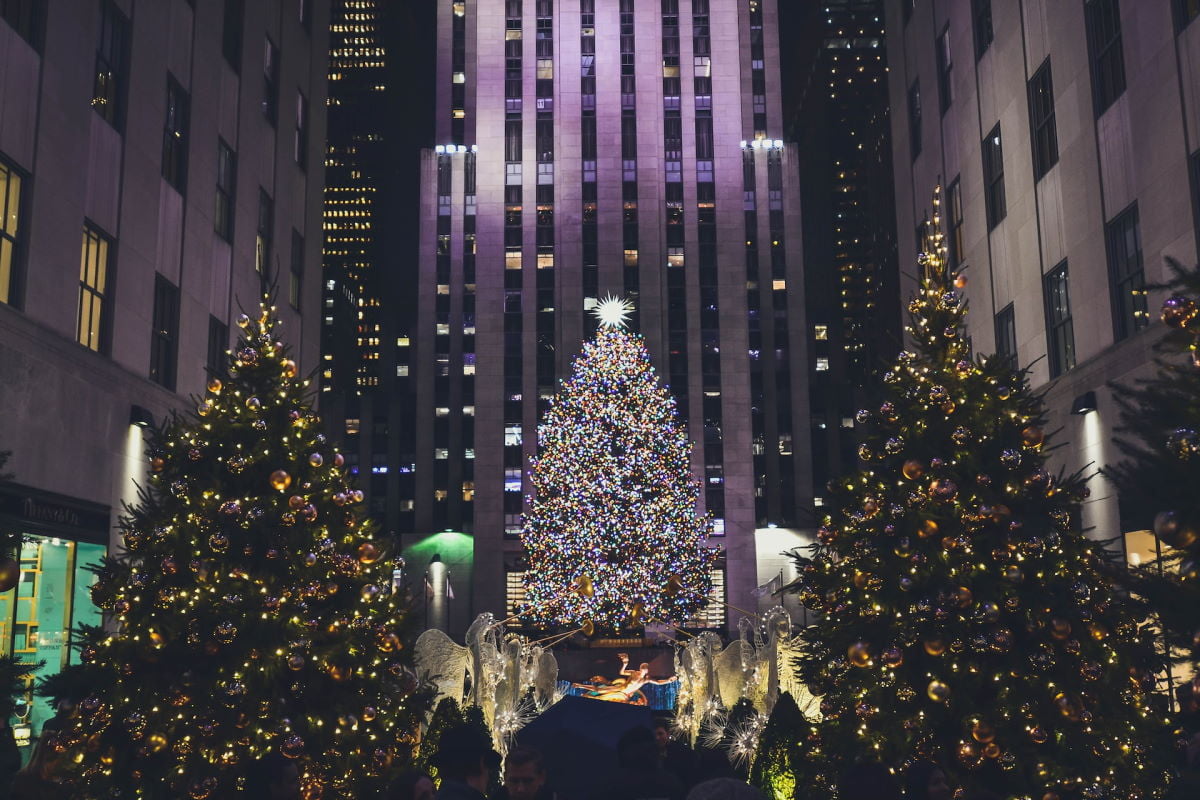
(165,333)
(993,178)
(231,33)
(1185,12)
(981,22)
(93,290)
(262,237)
(296,278)
(1127,279)
(300,140)
(24,16)
(1105,51)
(226,187)
(907,7)
(1060,335)
(175,136)
(945,68)
(218,343)
(1006,334)
(306,15)
(1041,121)
(1193,170)
(112,59)
(954,215)
(270,101)
(11,232)
(914,119)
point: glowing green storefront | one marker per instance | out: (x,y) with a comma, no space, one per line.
(61,537)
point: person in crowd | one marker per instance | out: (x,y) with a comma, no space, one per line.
(525,777)
(640,774)
(10,754)
(465,762)
(926,781)
(274,777)
(724,789)
(1186,785)
(869,782)
(676,757)
(39,778)
(412,784)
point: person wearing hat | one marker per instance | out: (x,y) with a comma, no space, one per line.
(465,762)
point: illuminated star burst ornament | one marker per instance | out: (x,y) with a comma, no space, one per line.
(613,311)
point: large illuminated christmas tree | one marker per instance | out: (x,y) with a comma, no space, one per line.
(964,617)
(1160,472)
(254,611)
(613,533)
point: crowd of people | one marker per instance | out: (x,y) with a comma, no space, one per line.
(651,765)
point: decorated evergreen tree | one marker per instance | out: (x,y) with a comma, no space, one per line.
(253,612)
(446,715)
(775,761)
(613,534)
(1160,472)
(964,616)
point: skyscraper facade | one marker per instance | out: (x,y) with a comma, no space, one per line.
(596,147)
(1066,136)
(843,130)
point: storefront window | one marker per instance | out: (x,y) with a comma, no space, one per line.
(52,597)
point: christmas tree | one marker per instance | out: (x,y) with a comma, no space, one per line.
(613,533)
(775,768)
(253,612)
(965,618)
(446,715)
(1158,476)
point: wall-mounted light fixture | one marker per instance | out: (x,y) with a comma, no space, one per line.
(140,417)
(1084,403)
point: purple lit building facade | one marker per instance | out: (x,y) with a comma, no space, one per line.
(596,147)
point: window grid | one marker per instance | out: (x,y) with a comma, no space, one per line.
(296,276)
(945,68)
(218,342)
(93,283)
(993,177)
(270,101)
(1106,52)
(1006,333)
(262,238)
(1044,132)
(165,333)
(175,136)
(1127,278)
(954,211)
(108,88)
(226,188)
(231,33)
(300,137)
(11,183)
(713,614)
(1060,333)
(981,23)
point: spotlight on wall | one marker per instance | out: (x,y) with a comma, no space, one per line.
(1084,403)
(140,417)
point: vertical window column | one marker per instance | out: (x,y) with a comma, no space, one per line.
(458,72)
(629,187)
(587,91)
(779,334)
(513,270)
(710,328)
(677,344)
(755,340)
(544,323)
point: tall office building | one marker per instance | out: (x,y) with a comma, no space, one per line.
(851,276)
(1068,138)
(596,147)
(159,164)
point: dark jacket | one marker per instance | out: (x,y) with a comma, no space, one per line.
(457,790)
(27,786)
(641,784)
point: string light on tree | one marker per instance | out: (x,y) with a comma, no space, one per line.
(252,612)
(613,534)
(964,617)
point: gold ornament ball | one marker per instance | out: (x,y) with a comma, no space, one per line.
(292,747)
(935,647)
(982,732)
(369,713)
(289,369)
(315,460)
(927,528)
(368,553)
(338,459)
(204,408)
(859,654)
(156,742)
(1060,628)
(280,480)
(938,692)
(243,321)
(10,574)
(214,385)
(1038,734)
(960,281)
(912,469)
(339,672)
(991,750)
(1033,436)
(295,502)
(893,656)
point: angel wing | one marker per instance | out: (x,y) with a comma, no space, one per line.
(443,662)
